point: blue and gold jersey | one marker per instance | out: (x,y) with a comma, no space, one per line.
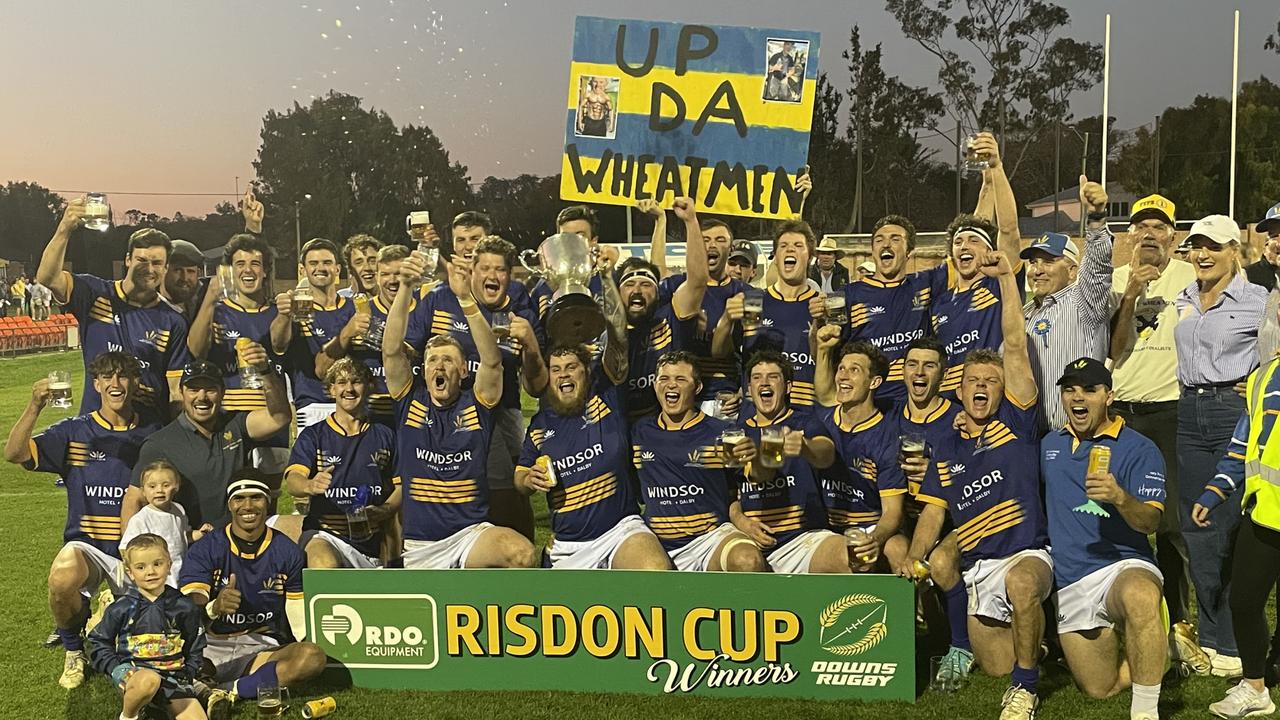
(990,484)
(265,580)
(95,460)
(592,463)
(684,484)
(231,322)
(784,328)
(1085,542)
(438,313)
(965,320)
(889,315)
(718,374)
(382,407)
(662,332)
(363,459)
(156,335)
(936,428)
(541,297)
(441,459)
(309,338)
(791,503)
(866,468)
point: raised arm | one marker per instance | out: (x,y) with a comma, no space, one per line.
(658,243)
(200,334)
(488,383)
(1095,266)
(1006,205)
(395,355)
(281,330)
(614,361)
(1019,381)
(50,272)
(686,301)
(722,335)
(266,421)
(824,377)
(17,449)
(533,369)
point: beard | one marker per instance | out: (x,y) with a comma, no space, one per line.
(571,406)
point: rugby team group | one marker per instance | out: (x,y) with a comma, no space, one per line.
(1042,460)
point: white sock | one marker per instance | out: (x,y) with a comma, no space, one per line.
(1146,699)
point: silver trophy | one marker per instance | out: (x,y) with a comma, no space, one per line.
(566,263)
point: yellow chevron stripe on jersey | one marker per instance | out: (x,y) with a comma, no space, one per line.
(597,410)
(982,299)
(944,476)
(442,491)
(588,493)
(895,370)
(536,435)
(995,519)
(837,517)
(951,379)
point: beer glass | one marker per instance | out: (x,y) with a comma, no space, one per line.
(373,337)
(853,537)
(97,213)
(60,389)
(227,281)
(250,375)
(358,527)
(836,314)
(912,445)
(500,322)
(724,399)
(729,438)
(752,306)
(271,701)
(415,223)
(302,301)
(771,446)
(431,261)
(973,162)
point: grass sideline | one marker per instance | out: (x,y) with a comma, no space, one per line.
(32,513)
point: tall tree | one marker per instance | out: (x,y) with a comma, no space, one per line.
(523,208)
(1004,69)
(830,161)
(29,214)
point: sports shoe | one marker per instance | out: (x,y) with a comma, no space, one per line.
(218,705)
(1185,649)
(1018,704)
(52,640)
(1227,666)
(100,604)
(73,670)
(956,665)
(1243,701)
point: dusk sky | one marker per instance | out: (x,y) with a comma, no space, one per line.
(168,96)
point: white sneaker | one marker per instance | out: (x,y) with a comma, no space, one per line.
(73,670)
(1226,666)
(1243,701)
(1018,704)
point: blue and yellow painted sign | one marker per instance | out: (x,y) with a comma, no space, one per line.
(718,113)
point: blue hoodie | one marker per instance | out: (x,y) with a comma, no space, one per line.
(165,635)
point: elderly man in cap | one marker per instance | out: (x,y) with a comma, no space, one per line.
(248,579)
(743,260)
(827,270)
(1069,311)
(1109,588)
(182,289)
(1264,271)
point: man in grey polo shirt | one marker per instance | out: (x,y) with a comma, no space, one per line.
(207,444)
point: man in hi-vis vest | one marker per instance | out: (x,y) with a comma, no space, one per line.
(1253,462)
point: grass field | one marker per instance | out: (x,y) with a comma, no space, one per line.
(32,513)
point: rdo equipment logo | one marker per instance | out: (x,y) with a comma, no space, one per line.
(376,631)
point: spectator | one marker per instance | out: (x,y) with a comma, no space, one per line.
(830,274)
(1265,270)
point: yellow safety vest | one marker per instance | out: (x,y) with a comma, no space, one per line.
(1262,458)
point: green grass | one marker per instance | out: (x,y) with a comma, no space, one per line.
(32,512)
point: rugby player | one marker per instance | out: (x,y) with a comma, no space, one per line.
(247,578)
(468,228)
(94,453)
(344,465)
(360,257)
(126,315)
(684,484)
(864,488)
(580,219)
(1108,585)
(221,323)
(439,313)
(784,510)
(443,435)
(985,475)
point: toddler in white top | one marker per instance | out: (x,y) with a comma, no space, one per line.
(162,516)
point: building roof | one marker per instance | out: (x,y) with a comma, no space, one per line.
(1115,193)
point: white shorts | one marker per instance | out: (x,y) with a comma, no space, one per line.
(984,584)
(102,568)
(797,553)
(1082,605)
(596,554)
(314,413)
(696,556)
(270,460)
(233,655)
(446,554)
(347,554)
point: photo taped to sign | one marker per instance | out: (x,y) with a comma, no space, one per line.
(785,62)
(597,106)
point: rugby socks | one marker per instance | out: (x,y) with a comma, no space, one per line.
(72,640)
(247,686)
(957,603)
(1146,699)
(1025,678)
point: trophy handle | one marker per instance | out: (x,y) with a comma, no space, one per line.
(524,254)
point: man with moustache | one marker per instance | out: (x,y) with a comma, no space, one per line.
(783,510)
(1145,371)
(984,475)
(1264,271)
(182,288)
(360,257)
(440,313)
(126,315)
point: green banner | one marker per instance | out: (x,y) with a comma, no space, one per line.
(711,634)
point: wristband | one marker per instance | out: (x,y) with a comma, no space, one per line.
(208,610)
(1097,215)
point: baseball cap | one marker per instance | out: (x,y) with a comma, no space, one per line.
(247,486)
(1220,229)
(201,370)
(1086,371)
(744,249)
(1055,244)
(1153,206)
(184,254)
(1271,222)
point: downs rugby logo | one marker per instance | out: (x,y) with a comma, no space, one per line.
(853,624)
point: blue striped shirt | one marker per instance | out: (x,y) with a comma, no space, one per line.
(1220,344)
(1070,324)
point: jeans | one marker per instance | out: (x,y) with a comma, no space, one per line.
(1206,419)
(1158,422)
